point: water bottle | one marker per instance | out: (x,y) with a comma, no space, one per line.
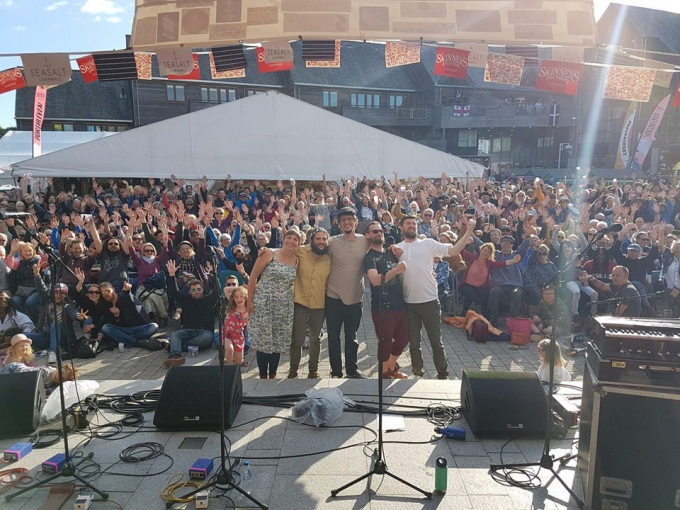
(440,475)
(246,477)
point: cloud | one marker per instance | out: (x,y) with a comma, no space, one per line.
(6,3)
(56,5)
(114,19)
(19,28)
(97,18)
(98,7)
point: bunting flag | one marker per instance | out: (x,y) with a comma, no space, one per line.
(177,61)
(629,83)
(229,58)
(274,67)
(277,51)
(401,53)
(195,73)
(572,54)
(649,133)
(143,62)
(318,50)
(676,99)
(623,151)
(222,75)
(460,110)
(46,68)
(504,69)
(11,79)
(332,63)
(88,68)
(662,79)
(560,77)
(39,105)
(530,54)
(451,62)
(478,53)
(120,65)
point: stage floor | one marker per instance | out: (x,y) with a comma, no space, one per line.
(306,482)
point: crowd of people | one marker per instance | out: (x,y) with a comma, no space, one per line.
(287,259)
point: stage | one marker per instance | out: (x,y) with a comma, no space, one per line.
(306,482)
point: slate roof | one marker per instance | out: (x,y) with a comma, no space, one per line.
(362,66)
(80,100)
(661,25)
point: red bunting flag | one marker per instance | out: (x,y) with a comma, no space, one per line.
(273,67)
(560,77)
(676,99)
(11,79)
(451,62)
(88,68)
(193,75)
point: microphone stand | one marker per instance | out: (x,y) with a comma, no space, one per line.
(69,469)
(547,460)
(224,476)
(380,466)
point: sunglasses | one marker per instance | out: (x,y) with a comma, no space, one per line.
(375,231)
(195,290)
(643,239)
(542,254)
(136,238)
(149,251)
(232,285)
(427,215)
(93,292)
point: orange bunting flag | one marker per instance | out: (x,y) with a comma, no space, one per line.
(502,68)
(143,61)
(327,63)
(629,83)
(401,53)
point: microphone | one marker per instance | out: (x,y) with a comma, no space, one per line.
(389,241)
(616,227)
(5,215)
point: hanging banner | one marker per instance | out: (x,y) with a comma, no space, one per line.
(623,151)
(676,99)
(39,105)
(560,77)
(264,67)
(649,133)
(460,110)
(477,56)
(177,61)
(143,63)
(221,75)
(335,63)
(664,76)
(46,69)
(504,69)
(88,68)
(451,62)
(629,83)
(11,79)
(195,73)
(401,53)
(208,23)
(277,51)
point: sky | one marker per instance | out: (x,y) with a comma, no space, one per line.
(34,26)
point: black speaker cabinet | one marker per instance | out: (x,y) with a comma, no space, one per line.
(629,446)
(504,403)
(189,398)
(22,397)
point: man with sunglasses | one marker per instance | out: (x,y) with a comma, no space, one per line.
(197,319)
(114,259)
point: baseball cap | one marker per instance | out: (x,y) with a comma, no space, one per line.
(508,239)
(346,211)
(634,246)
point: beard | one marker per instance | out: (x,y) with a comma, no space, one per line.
(378,241)
(319,251)
(409,234)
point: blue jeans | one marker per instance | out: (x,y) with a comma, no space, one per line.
(183,338)
(129,335)
(44,341)
(30,305)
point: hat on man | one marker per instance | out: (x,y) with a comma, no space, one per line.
(508,239)
(346,211)
(634,247)
(17,339)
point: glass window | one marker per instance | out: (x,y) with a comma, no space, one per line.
(212,95)
(506,143)
(369,100)
(68,127)
(376,100)
(396,101)
(204,94)
(232,95)
(58,127)
(121,128)
(496,145)
(354,100)
(223,96)
(330,99)
(170,92)
(467,138)
(179,92)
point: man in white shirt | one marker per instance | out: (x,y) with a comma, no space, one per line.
(420,291)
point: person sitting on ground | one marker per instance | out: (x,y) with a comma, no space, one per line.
(25,296)
(235,324)
(12,322)
(544,318)
(561,374)
(20,351)
(89,300)
(149,263)
(49,375)
(197,319)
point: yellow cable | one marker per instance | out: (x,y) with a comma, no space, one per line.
(176,484)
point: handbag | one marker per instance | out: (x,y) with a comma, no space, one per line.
(520,325)
(519,339)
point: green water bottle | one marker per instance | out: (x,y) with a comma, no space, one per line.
(440,475)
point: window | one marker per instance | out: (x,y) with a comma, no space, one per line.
(68,127)
(232,95)
(91,128)
(175,93)
(120,128)
(209,95)
(396,101)
(253,92)
(204,95)
(58,127)
(330,99)
(223,95)
(467,138)
(212,94)
(361,100)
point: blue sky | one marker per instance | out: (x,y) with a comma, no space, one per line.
(30,26)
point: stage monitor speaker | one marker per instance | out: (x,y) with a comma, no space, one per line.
(189,398)
(22,397)
(504,403)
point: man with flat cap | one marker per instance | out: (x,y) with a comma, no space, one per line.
(344,293)
(506,282)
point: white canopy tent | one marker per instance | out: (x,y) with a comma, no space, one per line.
(267,136)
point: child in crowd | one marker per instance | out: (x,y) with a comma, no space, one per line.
(543,351)
(20,351)
(234,326)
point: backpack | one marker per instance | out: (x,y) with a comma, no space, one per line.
(480,331)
